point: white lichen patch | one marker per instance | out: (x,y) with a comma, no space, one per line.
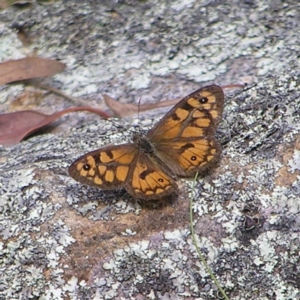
(22,179)
(71,286)
(128,232)
(140,82)
(178,235)
(294,163)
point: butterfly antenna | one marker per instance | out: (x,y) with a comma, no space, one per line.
(139,110)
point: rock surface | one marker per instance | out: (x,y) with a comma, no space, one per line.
(63,240)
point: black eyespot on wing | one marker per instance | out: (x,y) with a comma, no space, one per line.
(203,100)
(86,167)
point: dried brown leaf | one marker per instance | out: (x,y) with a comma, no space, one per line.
(28,68)
(5,4)
(14,127)
(120,109)
(126,109)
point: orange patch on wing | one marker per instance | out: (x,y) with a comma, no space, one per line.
(210,157)
(83,173)
(192,132)
(79,166)
(136,175)
(201,144)
(194,102)
(105,158)
(198,114)
(109,176)
(91,161)
(102,169)
(203,122)
(122,172)
(182,114)
(149,192)
(98,180)
(214,113)
(91,172)
(123,157)
(171,128)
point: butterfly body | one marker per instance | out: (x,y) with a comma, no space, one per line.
(181,144)
(144,143)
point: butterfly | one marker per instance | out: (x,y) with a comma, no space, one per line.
(181,144)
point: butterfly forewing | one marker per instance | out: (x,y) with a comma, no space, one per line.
(194,116)
(184,139)
(108,168)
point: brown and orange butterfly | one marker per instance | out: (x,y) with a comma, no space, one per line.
(181,144)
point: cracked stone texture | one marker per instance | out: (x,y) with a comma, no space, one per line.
(62,240)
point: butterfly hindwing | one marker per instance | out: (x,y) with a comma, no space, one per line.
(148,180)
(186,158)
